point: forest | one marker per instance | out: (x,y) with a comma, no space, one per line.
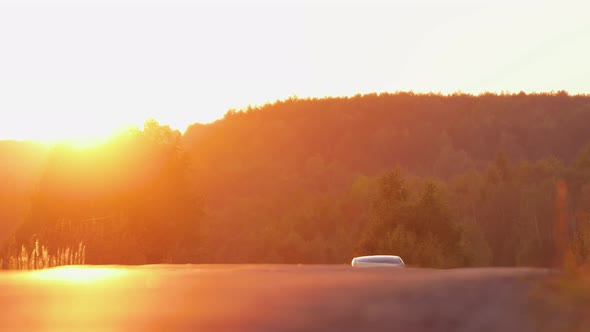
(441,180)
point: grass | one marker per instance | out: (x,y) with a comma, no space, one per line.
(39,257)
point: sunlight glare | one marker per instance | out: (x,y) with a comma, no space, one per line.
(78,274)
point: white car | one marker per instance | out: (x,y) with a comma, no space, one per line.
(377,261)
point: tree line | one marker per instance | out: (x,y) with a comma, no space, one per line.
(443,181)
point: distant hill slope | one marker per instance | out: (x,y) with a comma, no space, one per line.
(324,143)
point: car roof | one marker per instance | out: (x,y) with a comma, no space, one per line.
(377,256)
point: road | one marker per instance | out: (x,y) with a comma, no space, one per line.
(267,298)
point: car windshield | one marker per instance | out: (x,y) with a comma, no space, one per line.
(384,260)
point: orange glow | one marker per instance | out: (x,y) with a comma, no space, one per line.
(78,274)
(78,140)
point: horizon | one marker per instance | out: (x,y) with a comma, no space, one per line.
(91,141)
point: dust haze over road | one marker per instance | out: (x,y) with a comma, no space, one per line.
(267,298)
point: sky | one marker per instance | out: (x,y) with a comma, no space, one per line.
(81,69)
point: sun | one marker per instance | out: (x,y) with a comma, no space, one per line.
(77,143)
(78,138)
(82,130)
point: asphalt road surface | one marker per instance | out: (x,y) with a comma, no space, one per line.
(267,298)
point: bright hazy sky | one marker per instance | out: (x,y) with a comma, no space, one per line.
(85,67)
